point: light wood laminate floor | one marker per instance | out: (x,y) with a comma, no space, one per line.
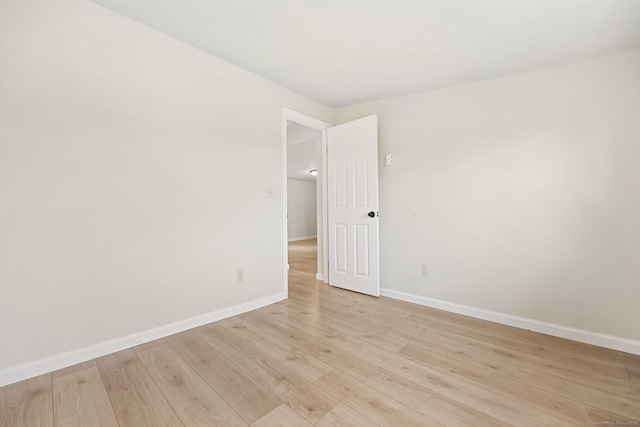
(329,357)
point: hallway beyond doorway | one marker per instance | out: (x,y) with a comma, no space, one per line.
(303,256)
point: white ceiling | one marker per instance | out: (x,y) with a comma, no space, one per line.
(302,143)
(341,52)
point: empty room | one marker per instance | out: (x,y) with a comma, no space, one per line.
(330,213)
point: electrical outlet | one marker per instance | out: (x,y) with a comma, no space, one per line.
(425,270)
(240,275)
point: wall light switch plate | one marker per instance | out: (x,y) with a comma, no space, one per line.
(388,160)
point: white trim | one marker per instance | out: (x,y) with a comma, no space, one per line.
(301,119)
(301,141)
(297,239)
(32,369)
(325,216)
(285,208)
(319,276)
(581,335)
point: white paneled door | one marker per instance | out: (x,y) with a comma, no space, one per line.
(352,183)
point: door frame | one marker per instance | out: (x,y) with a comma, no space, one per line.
(313,123)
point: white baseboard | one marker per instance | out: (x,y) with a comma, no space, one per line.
(295,239)
(320,276)
(588,337)
(32,369)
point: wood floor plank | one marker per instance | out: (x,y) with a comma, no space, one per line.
(511,338)
(326,352)
(529,361)
(487,365)
(28,403)
(81,399)
(135,398)
(428,402)
(376,406)
(557,406)
(375,314)
(193,400)
(634,376)
(301,362)
(343,416)
(597,416)
(247,398)
(282,416)
(352,328)
(368,312)
(306,307)
(556,397)
(316,332)
(73,369)
(302,396)
(463,390)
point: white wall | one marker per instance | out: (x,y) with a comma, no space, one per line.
(301,201)
(133,179)
(522,194)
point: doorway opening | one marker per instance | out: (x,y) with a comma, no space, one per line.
(304,210)
(304,196)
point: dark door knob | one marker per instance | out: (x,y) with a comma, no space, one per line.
(371,214)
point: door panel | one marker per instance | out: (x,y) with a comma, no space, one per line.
(353,177)
(362,250)
(341,185)
(341,251)
(362,189)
